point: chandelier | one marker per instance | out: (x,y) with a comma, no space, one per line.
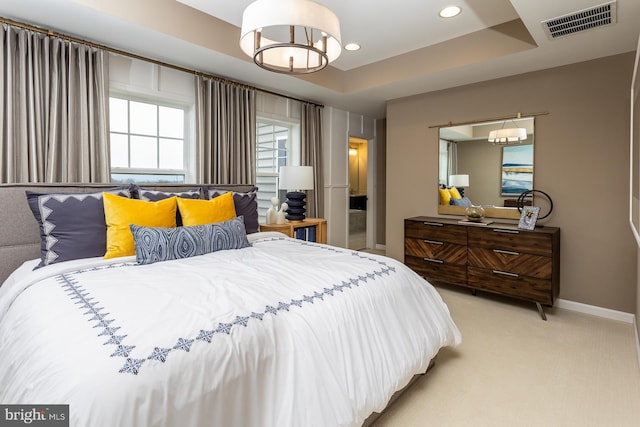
(290,36)
(506,136)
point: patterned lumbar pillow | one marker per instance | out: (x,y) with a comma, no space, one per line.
(165,244)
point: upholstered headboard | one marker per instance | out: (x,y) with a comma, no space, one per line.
(19,234)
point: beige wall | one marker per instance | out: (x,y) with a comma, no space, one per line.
(581,160)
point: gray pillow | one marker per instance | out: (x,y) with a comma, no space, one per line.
(154,196)
(461,202)
(72,225)
(246,205)
(165,244)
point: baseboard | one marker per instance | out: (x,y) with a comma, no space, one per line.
(596,311)
(381,247)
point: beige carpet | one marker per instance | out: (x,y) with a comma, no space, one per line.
(514,369)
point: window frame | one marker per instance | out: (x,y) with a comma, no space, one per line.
(189,161)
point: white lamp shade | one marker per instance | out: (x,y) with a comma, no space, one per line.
(266,25)
(459,180)
(508,135)
(296,178)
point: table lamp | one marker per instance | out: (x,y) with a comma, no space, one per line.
(296,179)
(460,182)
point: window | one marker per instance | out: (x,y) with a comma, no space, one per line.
(277,145)
(148,141)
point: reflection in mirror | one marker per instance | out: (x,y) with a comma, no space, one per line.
(495,173)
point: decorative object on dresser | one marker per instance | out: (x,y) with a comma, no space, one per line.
(529,217)
(474,213)
(497,258)
(529,193)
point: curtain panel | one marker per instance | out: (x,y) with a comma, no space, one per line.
(225,132)
(54,122)
(452,166)
(311,153)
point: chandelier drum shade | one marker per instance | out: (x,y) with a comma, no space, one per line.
(290,36)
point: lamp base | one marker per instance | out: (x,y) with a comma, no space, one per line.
(296,203)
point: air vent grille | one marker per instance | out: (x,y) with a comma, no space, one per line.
(587,19)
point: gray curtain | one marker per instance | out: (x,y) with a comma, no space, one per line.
(311,149)
(452,167)
(225,132)
(54,122)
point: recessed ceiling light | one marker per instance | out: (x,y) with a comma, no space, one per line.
(352,46)
(450,11)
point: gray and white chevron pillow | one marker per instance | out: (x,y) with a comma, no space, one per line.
(165,244)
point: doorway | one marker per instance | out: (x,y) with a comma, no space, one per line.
(358,162)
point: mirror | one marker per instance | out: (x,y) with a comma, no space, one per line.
(495,173)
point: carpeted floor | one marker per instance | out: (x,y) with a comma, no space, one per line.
(514,369)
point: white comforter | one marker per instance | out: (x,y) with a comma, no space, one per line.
(284,333)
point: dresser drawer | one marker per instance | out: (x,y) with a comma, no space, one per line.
(436,251)
(524,287)
(434,270)
(536,266)
(510,239)
(435,231)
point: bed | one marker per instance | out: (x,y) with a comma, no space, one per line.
(277,332)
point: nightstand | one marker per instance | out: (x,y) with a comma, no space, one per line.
(311,229)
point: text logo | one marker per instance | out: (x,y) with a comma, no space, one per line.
(34,415)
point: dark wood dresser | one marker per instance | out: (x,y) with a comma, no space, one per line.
(497,258)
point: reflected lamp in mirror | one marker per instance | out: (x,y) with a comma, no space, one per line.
(508,136)
(296,179)
(460,182)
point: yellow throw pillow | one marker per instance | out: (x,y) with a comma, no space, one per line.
(455,194)
(445,196)
(120,212)
(199,212)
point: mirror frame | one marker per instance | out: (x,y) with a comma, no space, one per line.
(490,211)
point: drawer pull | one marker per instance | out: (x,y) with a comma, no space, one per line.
(504,273)
(433,242)
(501,251)
(498,230)
(437,261)
(436,224)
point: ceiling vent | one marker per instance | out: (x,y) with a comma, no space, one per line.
(587,19)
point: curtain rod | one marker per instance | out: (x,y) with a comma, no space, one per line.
(52,33)
(494,119)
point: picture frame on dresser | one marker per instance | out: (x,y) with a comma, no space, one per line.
(529,217)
